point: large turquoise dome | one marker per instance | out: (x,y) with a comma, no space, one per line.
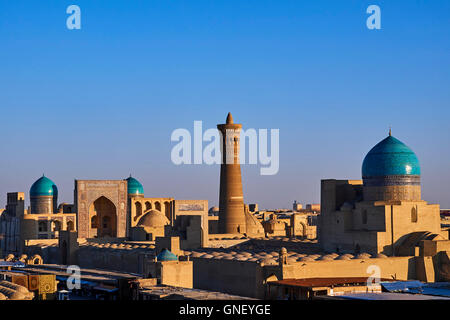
(43,187)
(390,157)
(134,186)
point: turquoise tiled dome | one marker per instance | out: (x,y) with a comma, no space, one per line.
(43,187)
(390,157)
(134,186)
(166,255)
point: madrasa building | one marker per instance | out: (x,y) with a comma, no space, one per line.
(114,209)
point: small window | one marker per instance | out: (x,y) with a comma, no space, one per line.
(105,222)
(56,225)
(138,209)
(70,226)
(414,214)
(364,217)
(42,226)
(94,222)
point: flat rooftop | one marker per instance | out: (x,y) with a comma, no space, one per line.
(92,275)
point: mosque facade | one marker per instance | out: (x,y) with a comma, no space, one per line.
(381,212)
(115,209)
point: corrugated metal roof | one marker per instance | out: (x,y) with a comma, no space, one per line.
(389,296)
(89,283)
(16,264)
(441,289)
(433,289)
(399,286)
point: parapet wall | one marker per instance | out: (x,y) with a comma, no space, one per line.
(229,276)
(400,268)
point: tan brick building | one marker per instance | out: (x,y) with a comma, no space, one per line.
(379,213)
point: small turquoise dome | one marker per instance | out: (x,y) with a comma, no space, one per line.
(43,187)
(134,186)
(166,255)
(390,157)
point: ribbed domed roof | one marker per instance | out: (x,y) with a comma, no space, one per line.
(134,186)
(154,219)
(43,187)
(390,157)
(166,255)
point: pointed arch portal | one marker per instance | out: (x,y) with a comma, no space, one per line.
(106,217)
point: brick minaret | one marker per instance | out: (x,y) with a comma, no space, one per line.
(231,202)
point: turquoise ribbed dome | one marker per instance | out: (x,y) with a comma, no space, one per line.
(134,186)
(43,187)
(166,255)
(390,157)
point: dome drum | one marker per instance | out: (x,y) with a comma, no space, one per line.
(393,180)
(43,204)
(390,193)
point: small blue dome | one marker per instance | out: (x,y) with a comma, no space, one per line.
(134,186)
(43,187)
(166,255)
(390,157)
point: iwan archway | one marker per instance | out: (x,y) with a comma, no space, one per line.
(103,218)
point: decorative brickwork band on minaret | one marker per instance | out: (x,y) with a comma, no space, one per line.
(231,202)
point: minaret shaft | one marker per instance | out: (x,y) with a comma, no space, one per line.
(231,202)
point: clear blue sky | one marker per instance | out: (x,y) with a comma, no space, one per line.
(101,102)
